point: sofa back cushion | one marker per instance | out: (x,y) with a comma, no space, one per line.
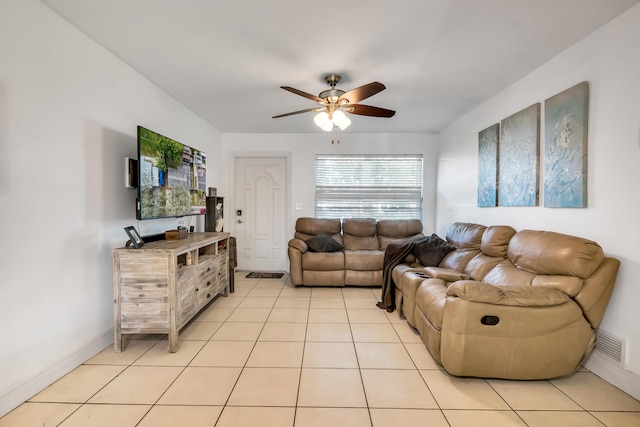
(547,252)
(398,231)
(495,240)
(467,238)
(309,227)
(359,234)
(465,235)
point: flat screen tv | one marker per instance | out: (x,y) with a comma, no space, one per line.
(171,177)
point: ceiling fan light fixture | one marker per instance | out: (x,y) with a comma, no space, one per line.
(341,120)
(323,121)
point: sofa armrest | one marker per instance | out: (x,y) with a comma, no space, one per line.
(298,244)
(473,291)
(446,274)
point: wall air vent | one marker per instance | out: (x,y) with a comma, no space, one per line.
(612,348)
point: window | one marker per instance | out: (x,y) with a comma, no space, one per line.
(369,186)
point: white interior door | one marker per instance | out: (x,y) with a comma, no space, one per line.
(260,213)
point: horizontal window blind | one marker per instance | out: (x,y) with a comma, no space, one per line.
(369,186)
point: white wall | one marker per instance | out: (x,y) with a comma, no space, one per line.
(68,116)
(610,60)
(301,150)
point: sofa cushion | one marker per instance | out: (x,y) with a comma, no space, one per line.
(359,234)
(309,227)
(363,260)
(398,231)
(547,252)
(431,250)
(323,243)
(464,235)
(323,261)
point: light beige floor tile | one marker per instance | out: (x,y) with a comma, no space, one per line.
(421,356)
(595,394)
(394,318)
(360,292)
(533,395)
(291,302)
(269,354)
(408,418)
(459,418)
(363,332)
(266,387)
(79,385)
(172,416)
(362,303)
(397,389)
(227,302)
(331,388)
(106,416)
(224,354)
(295,292)
(560,419)
(238,331)
(328,315)
(462,393)
(159,354)
(272,283)
(134,349)
(199,331)
(242,291)
(249,315)
(289,315)
(236,416)
(263,291)
(283,332)
(329,355)
(329,332)
(38,414)
(368,315)
(138,385)
(323,417)
(326,292)
(258,302)
(383,356)
(214,314)
(406,333)
(618,419)
(201,386)
(327,302)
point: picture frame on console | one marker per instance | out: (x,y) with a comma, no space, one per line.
(134,237)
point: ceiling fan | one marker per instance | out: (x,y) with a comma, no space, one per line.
(335,102)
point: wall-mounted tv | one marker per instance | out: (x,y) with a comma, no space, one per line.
(171,177)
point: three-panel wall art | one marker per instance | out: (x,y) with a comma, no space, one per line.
(509,161)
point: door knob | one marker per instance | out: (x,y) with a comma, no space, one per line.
(239,221)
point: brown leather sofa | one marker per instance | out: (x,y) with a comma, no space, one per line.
(360,260)
(507,304)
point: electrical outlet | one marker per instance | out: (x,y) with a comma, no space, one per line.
(298,206)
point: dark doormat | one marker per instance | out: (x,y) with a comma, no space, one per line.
(254,275)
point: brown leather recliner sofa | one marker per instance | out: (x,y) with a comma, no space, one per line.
(358,262)
(507,304)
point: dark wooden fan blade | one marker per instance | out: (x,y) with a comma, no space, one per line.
(298,112)
(301,93)
(362,92)
(367,110)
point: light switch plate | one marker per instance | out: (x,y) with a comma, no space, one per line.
(298,206)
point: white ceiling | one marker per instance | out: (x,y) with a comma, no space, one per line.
(226,60)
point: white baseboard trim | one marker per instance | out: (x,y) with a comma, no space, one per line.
(624,380)
(38,382)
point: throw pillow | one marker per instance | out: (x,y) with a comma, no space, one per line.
(430,250)
(323,243)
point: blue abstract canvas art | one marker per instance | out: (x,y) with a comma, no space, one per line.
(518,153)
(488,141)
(565,148)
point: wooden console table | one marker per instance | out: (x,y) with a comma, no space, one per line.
(161,286)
